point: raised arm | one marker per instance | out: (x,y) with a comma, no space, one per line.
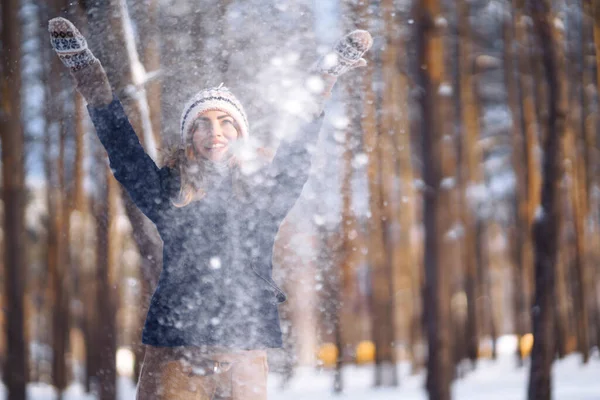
(146,184)
(290,168)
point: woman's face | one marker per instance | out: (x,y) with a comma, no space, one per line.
(212,134)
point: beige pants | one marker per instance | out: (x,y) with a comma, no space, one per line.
(203,374)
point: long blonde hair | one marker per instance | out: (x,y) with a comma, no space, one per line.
(193,187)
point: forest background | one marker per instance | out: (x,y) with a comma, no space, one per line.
(454,194)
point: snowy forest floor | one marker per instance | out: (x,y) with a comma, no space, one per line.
(492,380)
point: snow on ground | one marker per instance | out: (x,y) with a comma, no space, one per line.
(499,380)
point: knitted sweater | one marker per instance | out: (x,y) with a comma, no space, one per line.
(216,285)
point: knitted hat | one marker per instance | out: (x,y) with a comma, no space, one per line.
(217,98)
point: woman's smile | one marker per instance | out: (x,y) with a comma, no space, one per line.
(215,145)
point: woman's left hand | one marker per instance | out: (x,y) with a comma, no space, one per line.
(347,54)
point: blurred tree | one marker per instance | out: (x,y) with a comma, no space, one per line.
(15,368)
(592,153)
(78,215)
(399,182)
(145,15)
(526,164)
(546,228)
(470,180)
(563,308)
(435,199)
(106,285)
(438,166)
(380,168)
(575,170)
(57,127)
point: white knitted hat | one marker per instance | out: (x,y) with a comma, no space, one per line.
(217,98)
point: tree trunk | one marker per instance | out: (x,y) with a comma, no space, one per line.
(590,155)
(470,180)
(106,292)
(437,296)
(595,173)
(576,173)
(529,180)
(546,227)
(520,227)
(381,296)
(13,194)
(145,13)
(78,214)
(59,276)
(58,207)
(450,194)
(398,187)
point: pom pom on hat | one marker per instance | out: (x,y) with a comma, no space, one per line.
(216,98)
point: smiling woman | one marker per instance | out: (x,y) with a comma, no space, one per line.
(215,308)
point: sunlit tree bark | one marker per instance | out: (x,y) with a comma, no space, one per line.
(408,299)
(546,228)
(590,158)
(529,195)
(519,229)
(396,165)
(594,8)
(592,153)
(575,173)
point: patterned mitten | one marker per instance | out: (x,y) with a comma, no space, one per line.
(347,54)
(71,47)
(69,44)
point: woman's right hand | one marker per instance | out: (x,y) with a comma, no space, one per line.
(72,49)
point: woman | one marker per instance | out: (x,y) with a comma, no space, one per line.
(214,311)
